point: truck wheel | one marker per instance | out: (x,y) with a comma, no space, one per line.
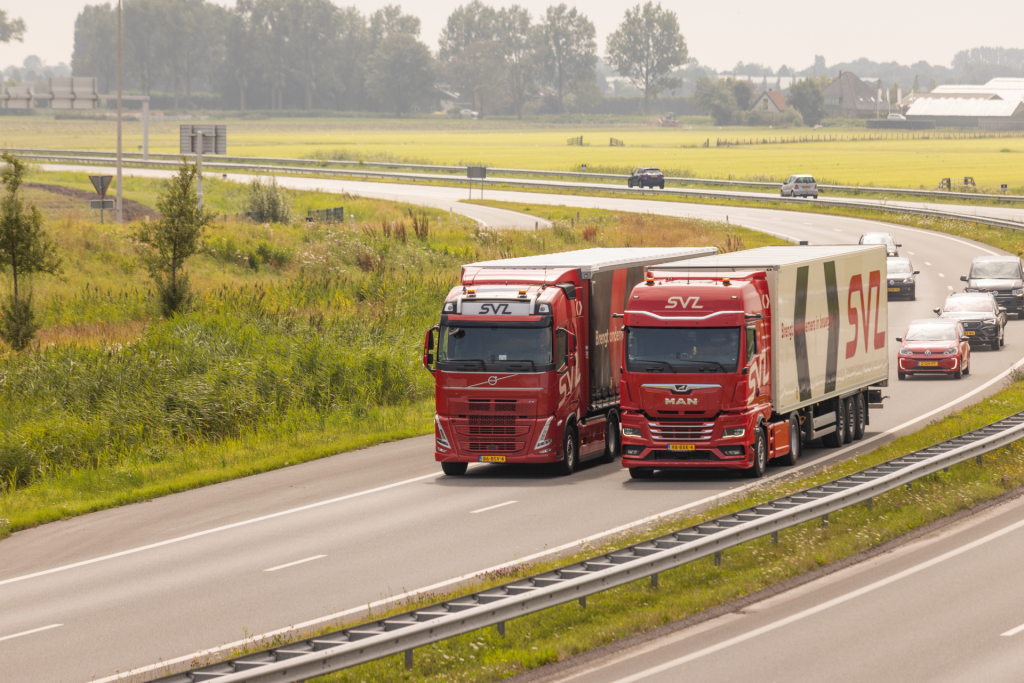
(612,439)
(756,471)
(795,441)
(860,417)
(837,438)
(851,419)
(641,472)
(571,450)
(454,469)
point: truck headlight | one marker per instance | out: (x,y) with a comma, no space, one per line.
(543,439)
(733,432)
(442,438)
(631,431)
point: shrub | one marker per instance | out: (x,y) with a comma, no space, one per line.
(268,203)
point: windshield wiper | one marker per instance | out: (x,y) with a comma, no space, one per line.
(525,360)
(466,360)
(653,360)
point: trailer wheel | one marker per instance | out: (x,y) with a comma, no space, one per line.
(851,419)
(860,416)
(612,438)
(571,450)
(795,442)
(641,472)
(837,438)
(756,471)
(454,469)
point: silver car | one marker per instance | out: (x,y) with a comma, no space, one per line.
(800,186)
(891,248)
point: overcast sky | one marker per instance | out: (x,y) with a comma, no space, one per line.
(718,33)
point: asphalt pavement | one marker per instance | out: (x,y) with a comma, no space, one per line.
(163,580)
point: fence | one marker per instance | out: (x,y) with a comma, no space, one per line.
(868,137)
(575,141)
(335,215)
(612,142)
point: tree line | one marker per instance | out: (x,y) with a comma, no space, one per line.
(311,54)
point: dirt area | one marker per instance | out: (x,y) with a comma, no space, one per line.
(133,211)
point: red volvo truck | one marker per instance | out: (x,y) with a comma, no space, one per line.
(735,359)
(523,357)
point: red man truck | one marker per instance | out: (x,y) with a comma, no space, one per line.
(524,369)
(735,359)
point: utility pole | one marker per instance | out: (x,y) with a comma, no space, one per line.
(120,213)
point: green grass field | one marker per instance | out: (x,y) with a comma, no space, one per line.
(542,145)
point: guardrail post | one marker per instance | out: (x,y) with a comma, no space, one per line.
(775,538)
(501,628)
(910,486)
(871,503)
(981,463)
(654,580)
(824,521)
(408,659)
(583,601)
(718,558)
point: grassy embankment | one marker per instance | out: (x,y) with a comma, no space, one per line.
(542,145)
(303,341)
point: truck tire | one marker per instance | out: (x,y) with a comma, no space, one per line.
(641,472)
(851,420)
(860,416)
(837,438)
(795,442)
(756,471)
(612,438)
(571,452)
(454,469)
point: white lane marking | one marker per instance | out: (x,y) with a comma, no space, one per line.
(35,630)
(799,616)
(1013,631)
(292,564)
(215,530)
(934,233)
(926,263)
(836,230)
(912,254)
(941,275)
(572,545)
(494,507)
(949,287)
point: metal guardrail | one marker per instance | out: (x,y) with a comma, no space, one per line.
(539,184)
(493,607)
(326,163)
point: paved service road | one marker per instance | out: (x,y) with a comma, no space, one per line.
(162,580)
(946,607)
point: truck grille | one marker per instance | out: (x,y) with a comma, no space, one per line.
(681,455)
(493,447)
(682,431)
(492,433)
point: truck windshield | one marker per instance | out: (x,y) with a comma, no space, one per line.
(495,348)
(676,349)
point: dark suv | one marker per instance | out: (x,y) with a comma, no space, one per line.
(1000,275)
(646,177)
(983,319)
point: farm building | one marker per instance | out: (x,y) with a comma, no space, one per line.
(997,105)
(770,101)
(850,97)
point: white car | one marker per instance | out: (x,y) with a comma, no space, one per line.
(468,114)
(895,117)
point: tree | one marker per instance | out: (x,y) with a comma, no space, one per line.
(388,21)
(513,29)
(170,241)
(470,54)
(25,249)
(311,34)
(11,29)
(744,92)
(400,73)
(916,87)
(717,99)
(469,24)
(805,96)
(646,47)
(95,32)
(566,51)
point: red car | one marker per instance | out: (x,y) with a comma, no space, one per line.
(934,347)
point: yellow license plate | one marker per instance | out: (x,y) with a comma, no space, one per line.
(969,333)
(894,289)
(492,458)
(681,447)
(929,363)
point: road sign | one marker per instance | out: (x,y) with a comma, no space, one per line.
(1003,186)
(101,183)
(478,172)
(215,139)
(101,204)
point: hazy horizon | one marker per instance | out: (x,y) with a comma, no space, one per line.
(716,36)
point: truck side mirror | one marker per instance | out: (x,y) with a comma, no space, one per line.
(428,347)
(571,361)
(963,278)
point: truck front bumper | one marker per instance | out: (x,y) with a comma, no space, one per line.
(460,440)
(726,453)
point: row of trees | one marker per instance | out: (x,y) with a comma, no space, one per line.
(274,54)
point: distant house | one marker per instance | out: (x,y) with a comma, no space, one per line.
(997,105)
(850,97)
(770,101)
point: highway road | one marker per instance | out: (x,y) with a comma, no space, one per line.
(946,607)
(161,581)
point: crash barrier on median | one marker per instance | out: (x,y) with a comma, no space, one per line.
(335,215)
(403,633)
(314,164)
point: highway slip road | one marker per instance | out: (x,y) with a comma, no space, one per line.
(946,607)
(161,581)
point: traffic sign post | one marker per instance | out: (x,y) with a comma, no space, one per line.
(203,139)
(478,172)
(101,183)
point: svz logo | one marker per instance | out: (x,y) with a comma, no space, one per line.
(680,302)
(680,401)
(494,309)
